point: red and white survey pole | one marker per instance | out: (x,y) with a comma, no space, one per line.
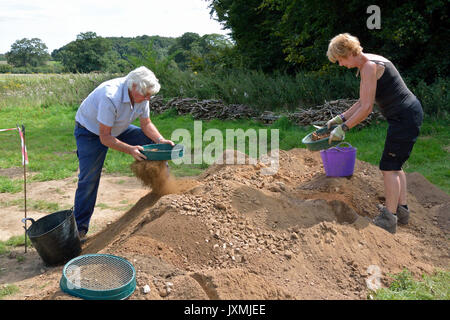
(24,164)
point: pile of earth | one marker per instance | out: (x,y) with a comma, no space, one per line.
(237,233)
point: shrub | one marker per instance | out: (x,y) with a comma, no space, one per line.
(435,97)
(5,68)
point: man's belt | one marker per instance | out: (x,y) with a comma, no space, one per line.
(79,125)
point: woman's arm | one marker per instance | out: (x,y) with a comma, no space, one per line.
(367,90)
(350,111)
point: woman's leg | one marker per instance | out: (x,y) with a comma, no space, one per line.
(392,189)
(387,218)
(402,196)
(402,209)
(402,133)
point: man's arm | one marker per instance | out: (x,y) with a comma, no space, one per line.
(112,142)
(152,132)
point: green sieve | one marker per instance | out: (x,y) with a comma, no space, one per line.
(162,151)
(322,143)
(98,277)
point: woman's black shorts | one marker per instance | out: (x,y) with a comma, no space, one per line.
(402,133)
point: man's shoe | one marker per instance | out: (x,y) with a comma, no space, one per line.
(402,215)
(82,235)
(386,220)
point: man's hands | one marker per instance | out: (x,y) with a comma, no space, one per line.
(337,134)
(152,132)
(136,153)
(162,140)
(335,120)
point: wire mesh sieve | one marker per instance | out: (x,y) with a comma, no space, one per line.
(99,276)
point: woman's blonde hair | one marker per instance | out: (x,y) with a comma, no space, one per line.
(343,45)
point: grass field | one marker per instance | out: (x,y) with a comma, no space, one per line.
(42,90)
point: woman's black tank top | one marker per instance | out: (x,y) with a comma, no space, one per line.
(392,94)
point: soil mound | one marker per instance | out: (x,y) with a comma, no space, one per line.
(238,233)
(424,191)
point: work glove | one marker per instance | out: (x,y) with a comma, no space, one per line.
(337,134)
(335,120)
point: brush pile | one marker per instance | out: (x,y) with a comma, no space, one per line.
(319,115)
(205,109)
(217,109)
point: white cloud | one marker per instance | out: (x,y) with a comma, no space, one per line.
(58,22)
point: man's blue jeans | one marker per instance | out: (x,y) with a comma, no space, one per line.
(91,156)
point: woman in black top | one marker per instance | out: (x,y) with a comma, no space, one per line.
(381,83)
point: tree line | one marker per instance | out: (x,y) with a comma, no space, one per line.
(293,35)
(92,53)
(288,36)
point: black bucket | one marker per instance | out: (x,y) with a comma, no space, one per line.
(55,237)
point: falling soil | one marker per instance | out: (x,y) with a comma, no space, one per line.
(235,232)
(156,175)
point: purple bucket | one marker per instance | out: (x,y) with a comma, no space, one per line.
(339,161)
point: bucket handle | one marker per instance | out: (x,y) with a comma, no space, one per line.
(344,142)
(24,220)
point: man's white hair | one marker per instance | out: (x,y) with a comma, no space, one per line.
(145,81)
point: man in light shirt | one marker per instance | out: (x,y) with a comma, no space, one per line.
(103,121)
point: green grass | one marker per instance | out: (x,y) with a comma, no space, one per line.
(36,205)
(10,186)
(42,205)
(121,208)
(405,287)
(49,140)
(7,290)
(32,90)
(15,241)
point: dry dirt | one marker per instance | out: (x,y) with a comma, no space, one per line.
(234,233)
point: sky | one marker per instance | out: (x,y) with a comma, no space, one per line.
(58,22)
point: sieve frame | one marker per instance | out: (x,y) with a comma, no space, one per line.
(119,293)
(322,144)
